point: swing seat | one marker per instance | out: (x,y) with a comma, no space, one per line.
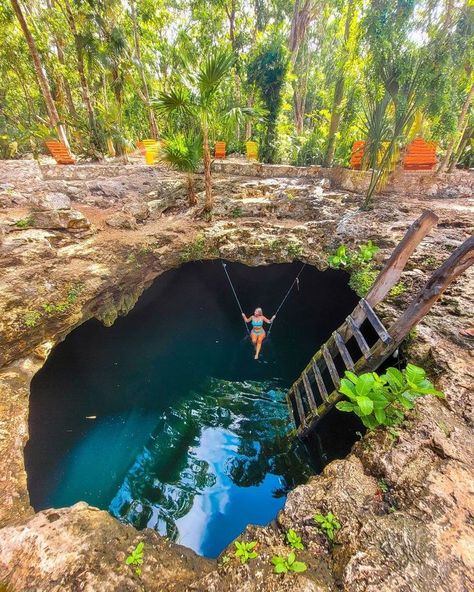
(357,154)
(420,156)
(252,150)
(59,152)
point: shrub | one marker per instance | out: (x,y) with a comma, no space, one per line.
(383,400)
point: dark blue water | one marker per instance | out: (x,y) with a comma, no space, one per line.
(166,420)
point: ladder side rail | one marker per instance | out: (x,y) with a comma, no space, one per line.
(392,271)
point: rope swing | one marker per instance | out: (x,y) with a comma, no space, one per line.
(295,281)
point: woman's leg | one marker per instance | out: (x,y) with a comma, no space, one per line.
(253,338)
(258,347)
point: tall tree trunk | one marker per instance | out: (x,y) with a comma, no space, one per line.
(207,170)
(86,99)
(300,87)
(459,129)
(40,75)
(248,124)
(63,82)
(303,14)
(138,55)
(336,113)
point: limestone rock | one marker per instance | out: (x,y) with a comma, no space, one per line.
(122,220)
(52,201)
(83,548)
(60,220)
(157,206)
(138,210)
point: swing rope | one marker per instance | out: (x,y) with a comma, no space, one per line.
(295,281)
(224,265)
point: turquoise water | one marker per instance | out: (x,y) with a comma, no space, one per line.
(165,419)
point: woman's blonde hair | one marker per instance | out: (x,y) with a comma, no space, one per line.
(258,310)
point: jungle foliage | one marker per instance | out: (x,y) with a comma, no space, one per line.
(303,78)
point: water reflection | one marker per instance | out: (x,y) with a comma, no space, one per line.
(217,462)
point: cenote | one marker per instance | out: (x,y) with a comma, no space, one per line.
(165,419)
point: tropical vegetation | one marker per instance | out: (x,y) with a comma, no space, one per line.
(303,78)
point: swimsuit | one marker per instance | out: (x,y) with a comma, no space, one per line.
(257,327)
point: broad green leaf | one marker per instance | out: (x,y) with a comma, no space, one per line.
(414,373)
(251,545)
(380,415)
(395,378)
(347,388)
(345,406)
(281,568)
(407,403)
(364,384)
(366,405)
(351,376)
(299,566)
(291,558)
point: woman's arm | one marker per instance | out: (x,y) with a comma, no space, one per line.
(269,321)
(247,320)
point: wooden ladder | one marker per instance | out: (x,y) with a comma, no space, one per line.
(315,391)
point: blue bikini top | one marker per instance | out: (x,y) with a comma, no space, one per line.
(257,323)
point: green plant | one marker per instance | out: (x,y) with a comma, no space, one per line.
(136,558)
(383,400)
(236,212)
(343,258)
(362,280)
(294,540)
(195,250)
(294,250)
(340,258)
(398,289)
(382,485)
(24,222)
(245,551)
(328,524)
(225,559)
(286,564)
(72,295)
(31,318)
(183,153)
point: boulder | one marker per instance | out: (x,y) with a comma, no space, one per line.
(52,201)
(157,206)
(139,211)
(59,220)
(122,220)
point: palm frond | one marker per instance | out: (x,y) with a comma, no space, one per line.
(177,100)
(182,152)
(213,71)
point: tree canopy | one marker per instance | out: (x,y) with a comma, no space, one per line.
(95,73)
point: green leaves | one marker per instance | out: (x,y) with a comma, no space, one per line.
(245,551)
(342,258)
(294,540)
(328,524)
(382,400)
(286,564)
(136,558)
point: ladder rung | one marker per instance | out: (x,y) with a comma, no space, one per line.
(345,355)
(361,342)
(320,382)
(299,404)
(309,394)
(331,367)
(376,322)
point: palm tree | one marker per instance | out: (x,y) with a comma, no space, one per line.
(183,153)
(196,99)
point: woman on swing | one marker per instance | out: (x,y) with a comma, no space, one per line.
(257,334)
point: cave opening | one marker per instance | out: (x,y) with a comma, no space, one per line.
(167,421)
